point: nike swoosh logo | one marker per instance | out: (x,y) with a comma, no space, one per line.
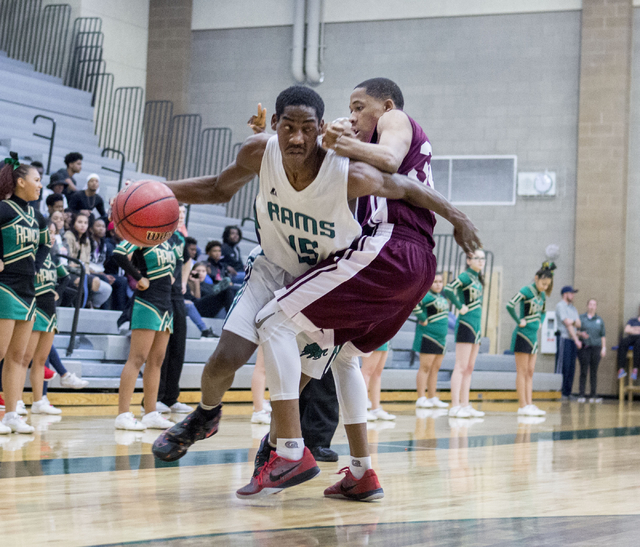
(347,488)
(261,322)
(275,478)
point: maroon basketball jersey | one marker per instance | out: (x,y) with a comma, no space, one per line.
(373,210)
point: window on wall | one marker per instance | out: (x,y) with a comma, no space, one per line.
(476,180)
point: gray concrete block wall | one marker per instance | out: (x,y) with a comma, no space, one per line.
(504,84)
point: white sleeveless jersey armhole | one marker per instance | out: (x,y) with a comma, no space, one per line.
(298,229)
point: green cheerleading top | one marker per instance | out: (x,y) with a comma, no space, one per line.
(154,263)
(434,309)
(152,308)
(531,305)
(48,276)
(467,290)
(25,243)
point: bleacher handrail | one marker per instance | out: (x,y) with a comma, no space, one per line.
(51,138)
(122,162)
(79,300)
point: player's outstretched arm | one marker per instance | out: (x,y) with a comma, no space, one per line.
(394,141)
(366,180)
(221,188)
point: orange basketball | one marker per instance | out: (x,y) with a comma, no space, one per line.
(145,213)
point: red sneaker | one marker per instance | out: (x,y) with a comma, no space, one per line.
(1,403)
(279,473)
(366,489)
(49,374)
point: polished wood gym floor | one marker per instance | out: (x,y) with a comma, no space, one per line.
(570,479)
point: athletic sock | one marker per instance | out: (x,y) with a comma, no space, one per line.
(208,411)
(359,466)
(272,445)
(290,449)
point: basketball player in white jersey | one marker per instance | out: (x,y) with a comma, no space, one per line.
(375,284)
(294,197)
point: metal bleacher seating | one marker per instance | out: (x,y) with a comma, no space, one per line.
(101,349)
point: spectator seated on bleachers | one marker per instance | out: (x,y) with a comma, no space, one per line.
(88,200)
(73,162)
(630,340)
(54,203)
(191,250)
(101,261)
(57,245)
(231,256)
(209,298)
(53,198)
(78,243)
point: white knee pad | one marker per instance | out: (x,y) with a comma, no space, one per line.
(350,388)
(282,364)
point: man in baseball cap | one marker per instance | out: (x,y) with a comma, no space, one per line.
(568,289)
(568,321)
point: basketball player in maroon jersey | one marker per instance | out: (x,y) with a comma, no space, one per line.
(373,280)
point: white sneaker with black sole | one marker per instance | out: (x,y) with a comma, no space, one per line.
(17,423)
(43,407)
(128,422)
(154,420)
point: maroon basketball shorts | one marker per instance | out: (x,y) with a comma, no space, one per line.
(364,294)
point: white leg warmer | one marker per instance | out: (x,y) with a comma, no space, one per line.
(277,335)
(350,388)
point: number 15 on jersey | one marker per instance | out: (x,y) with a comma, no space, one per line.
(305,249)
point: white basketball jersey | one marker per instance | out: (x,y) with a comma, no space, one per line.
(298,229)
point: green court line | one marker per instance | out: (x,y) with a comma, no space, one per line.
(105,464)
(547,530)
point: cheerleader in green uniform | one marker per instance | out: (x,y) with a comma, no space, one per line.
(44,330)
(528,308)
(24,245)
(430,342)
(465,292)
(372,367)
(151,326)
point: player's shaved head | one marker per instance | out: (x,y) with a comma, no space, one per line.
(383,89)
(298,95)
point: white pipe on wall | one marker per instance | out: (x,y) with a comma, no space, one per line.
(314,19)
(297,59)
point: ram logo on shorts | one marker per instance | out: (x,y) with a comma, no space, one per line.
(314,351)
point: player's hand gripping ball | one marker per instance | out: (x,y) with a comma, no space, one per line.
(145,213)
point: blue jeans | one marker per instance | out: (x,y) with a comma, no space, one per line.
(194,315)
(56,363)
(568,352)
